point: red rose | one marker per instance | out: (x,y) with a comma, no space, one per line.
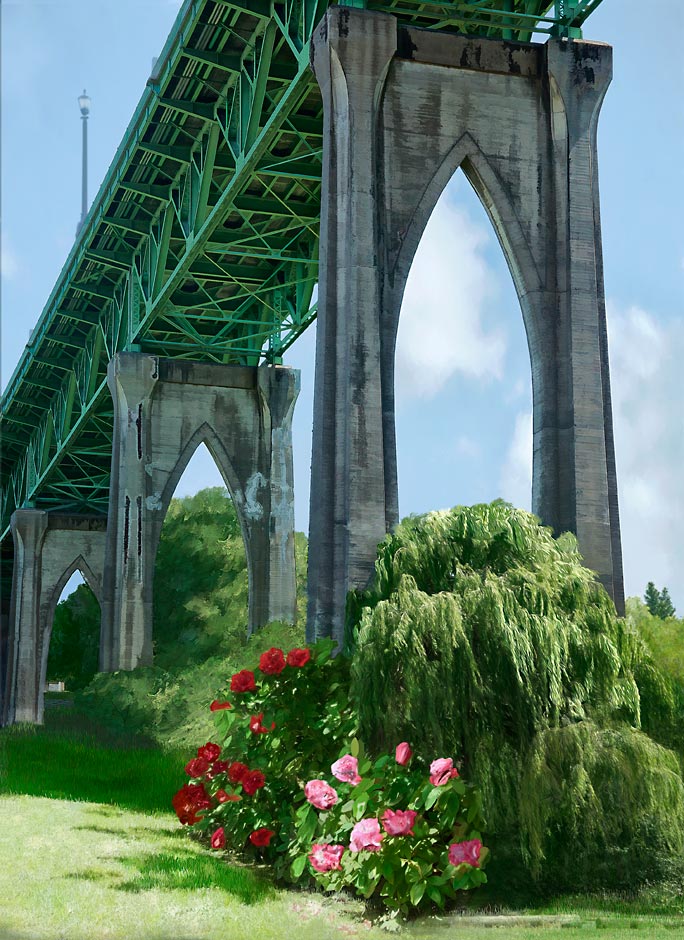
(272,662)
(188,800)
(209,751)
(218,767)
(218,840)
(197,766)
(298,658)
(261,837)
(243,681)
(237,772)
(253,781)
(216,706)
(256,724)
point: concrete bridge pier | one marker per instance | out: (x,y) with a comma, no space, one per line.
(404,109)
(163,410)
(48,549)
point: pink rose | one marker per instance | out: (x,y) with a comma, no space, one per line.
(398,822)
(347,770)
(325,857)
(441,771)
(320,794)
(468,852)
(403,753)
(366,836)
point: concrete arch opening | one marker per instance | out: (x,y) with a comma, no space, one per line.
(201,586)
(73,623)
(462,358)
(49,549)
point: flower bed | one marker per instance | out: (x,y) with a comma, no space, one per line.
(292,785)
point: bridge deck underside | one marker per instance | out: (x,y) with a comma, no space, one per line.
(202,241)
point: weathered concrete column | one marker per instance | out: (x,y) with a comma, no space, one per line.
(23,701)
(352,51)
(586,499)
(163,410)
(127,606)
(279,389)
(48,549)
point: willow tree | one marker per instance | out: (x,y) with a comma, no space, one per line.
(485,638)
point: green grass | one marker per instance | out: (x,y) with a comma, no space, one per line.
(73,758)
(85,871)
(90,851)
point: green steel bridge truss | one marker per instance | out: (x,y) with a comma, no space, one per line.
(202,241)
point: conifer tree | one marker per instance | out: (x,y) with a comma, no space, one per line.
(658,602)
(652,598)
(666,607)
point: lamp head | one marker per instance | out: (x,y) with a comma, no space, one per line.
(84,104)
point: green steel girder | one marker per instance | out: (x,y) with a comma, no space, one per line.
(202,242)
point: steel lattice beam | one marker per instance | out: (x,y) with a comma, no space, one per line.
(202,242)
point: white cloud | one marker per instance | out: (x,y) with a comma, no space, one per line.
(441,327)
(515,481)
(646,359)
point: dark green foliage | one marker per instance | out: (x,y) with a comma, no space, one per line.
(171,706)
(601,806)
(200,585)
(658,602)
(480,634)
(75,639)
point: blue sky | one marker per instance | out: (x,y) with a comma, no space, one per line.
(463,375)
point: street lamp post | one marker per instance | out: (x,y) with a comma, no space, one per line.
(84,105)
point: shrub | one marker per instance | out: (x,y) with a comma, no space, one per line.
(171,706)
(598,805)
(409,837)
(286,723)
(282,728)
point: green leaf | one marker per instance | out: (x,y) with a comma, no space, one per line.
(435,896)
(417,892)
(432,797)
(354,747)
(371,887)
(298,866)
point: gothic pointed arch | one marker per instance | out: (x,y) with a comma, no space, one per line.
(205,434)
(492,193)
(91,579)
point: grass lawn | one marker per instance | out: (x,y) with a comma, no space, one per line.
(90,851)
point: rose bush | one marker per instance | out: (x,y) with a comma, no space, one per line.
(396,829)
(409,836)
(286,723)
